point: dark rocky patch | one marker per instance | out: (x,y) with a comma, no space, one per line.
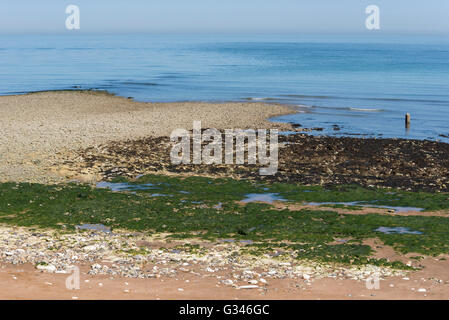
(403,164)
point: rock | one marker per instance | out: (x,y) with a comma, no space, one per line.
(47,268)
(95,266)
(253,281)
(228,282)
(251,286)
(422,290)
(306,276)
(90,248)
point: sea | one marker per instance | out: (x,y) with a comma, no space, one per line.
(347,85)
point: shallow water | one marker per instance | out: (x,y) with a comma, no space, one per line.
(128,187)
(397,230)
(123,186)
(364,204)
(262,197)
(364,84)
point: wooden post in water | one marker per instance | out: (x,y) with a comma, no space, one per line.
(407,120)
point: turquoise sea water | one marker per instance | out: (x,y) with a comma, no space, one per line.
(364,84)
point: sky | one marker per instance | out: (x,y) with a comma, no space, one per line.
(225,16)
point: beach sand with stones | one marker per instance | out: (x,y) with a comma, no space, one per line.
(53,137)
(36,128)
(168,270)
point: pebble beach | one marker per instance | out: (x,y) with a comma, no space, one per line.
(65,137)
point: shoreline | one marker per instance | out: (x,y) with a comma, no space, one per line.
(36,128)
(61,136)
(53,138)
(294,108)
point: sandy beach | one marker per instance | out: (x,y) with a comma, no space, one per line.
(36,128)
(166,273)
(84,136)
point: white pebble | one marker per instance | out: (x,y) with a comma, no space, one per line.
(248,287)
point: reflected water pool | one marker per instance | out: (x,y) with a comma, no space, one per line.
(397,230)
(367,205)
(262,197)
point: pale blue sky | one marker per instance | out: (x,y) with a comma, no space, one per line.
(224,16)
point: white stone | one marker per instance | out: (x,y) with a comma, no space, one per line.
(48,268)
(90,248)
(251,286)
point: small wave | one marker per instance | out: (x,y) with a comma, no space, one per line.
(136,83)
(301,96)
(304,106)
(366,109)
(259,99)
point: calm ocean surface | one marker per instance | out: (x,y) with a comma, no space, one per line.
(364,84)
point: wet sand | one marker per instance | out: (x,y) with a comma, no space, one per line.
(216,273)
(25,282)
